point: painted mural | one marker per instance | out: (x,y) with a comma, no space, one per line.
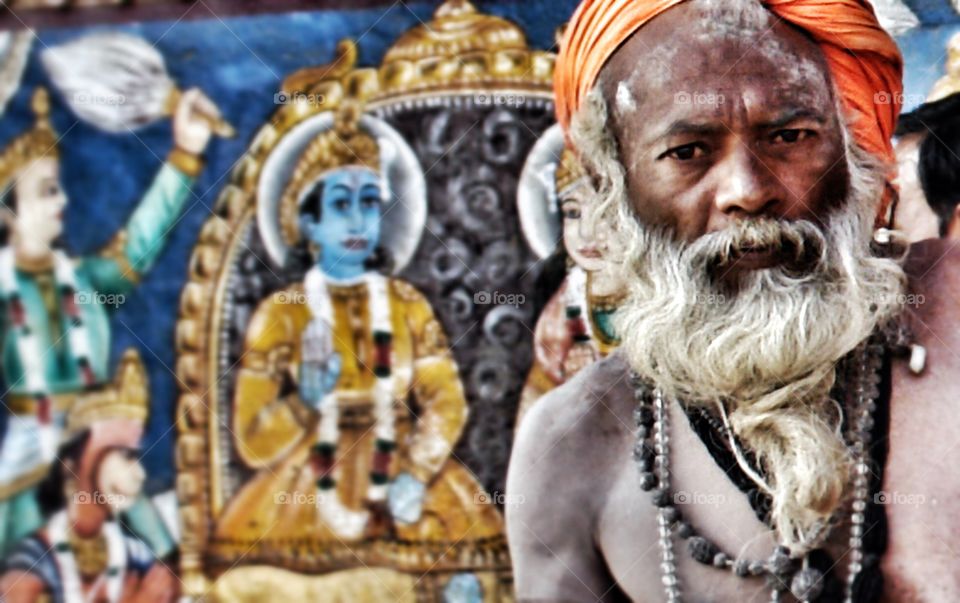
(276,291)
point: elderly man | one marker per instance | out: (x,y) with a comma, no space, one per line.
(757,436)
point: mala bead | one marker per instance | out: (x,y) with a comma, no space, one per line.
(807,584)
(671,514)
(684,530)
(780,562)
(776,582)
(742,568)
(661,497)
(647,481)
(918,359)
(702,550)
(643,454)
(643,416)
(720,560)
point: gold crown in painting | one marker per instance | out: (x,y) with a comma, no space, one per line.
(125,398)
(38,142)
(569,171)
(463,49)
(345,144)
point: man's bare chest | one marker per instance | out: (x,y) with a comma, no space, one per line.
(919,501)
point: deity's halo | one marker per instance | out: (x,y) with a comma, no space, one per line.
(405,204)
(537,195)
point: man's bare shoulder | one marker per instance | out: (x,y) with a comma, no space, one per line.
(923,432)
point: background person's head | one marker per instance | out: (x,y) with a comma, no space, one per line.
(928,175)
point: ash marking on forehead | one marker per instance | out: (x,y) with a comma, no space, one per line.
(756,32)
(625,101)
(756,28)
(735,17)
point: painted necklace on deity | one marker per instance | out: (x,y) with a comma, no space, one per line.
(346,522)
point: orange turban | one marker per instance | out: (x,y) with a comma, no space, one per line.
(863,59)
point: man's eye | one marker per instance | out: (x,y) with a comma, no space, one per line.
(791,136)
(341,204)
(571,214)
(685,152)
(370,201)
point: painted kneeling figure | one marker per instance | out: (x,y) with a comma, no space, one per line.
(83,553)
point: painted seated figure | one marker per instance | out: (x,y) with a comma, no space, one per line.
(574,328)
(348,402)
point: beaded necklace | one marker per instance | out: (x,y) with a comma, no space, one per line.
(346,522)
(782,571)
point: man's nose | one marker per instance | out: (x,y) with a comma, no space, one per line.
(746,187)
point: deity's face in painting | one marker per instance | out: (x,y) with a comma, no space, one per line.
(340,215)
(582,238)
(34,206)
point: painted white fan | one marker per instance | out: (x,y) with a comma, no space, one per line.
(115,81)
(14,49)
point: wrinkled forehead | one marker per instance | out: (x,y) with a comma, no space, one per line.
(703,54)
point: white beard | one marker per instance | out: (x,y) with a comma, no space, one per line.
(765,349)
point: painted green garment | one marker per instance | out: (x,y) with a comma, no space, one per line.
(102,282)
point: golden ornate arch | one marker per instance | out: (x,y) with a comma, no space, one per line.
(461,51)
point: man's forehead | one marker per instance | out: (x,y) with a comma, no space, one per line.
(680,51)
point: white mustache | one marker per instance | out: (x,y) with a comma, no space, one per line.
(801,244)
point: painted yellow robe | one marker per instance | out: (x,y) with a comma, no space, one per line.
(274,431)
